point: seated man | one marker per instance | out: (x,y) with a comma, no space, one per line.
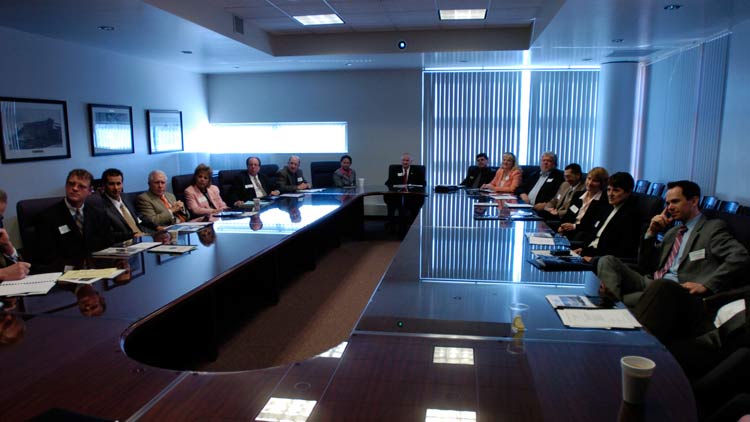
(404,175)
(541,184)
(10,266)
(290,178)
(616,230)
(557,207)
(70,230)
(125,222)
(156,206)
(480,174)
(699,254)
(252,184)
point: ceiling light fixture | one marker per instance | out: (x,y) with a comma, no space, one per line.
(587,59)
(462,14)
(617,40)
(186,52)
(672,6)
(307,20)
(105,28)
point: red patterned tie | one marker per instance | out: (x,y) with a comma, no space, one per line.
(658,274)
(406,176)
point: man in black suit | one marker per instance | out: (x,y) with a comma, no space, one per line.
(70,230)
(125,222)
(252,184)
(399,178)
(480,174)
(540,186)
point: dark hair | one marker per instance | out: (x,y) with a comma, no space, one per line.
(247,161)
(111,173)
(575,168)
(622,180)
(81,174)
(3,196)
(689,189)
(346,156)
(482,154)
(202,168)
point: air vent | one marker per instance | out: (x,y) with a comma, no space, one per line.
(239,25)
(632,53)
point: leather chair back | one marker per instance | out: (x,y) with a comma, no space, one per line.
(321,173)
(180,183)
(641,186)
(27,211)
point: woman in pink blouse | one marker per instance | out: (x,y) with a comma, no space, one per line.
(508,176)
(202,197)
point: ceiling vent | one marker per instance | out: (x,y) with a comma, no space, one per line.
(239,25)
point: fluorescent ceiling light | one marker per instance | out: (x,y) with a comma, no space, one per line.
(278,409)
(453,355)
(462,14)
(331,19)
(442,415)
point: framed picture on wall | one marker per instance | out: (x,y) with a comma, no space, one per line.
(33,129)
(111,129)
(164,131)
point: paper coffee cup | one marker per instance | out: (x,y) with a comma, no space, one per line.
(636,374)
(361,181)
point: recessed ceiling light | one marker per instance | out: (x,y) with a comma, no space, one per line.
(235,67)
(186,52)
(617,40)
(105,28)
(331,19)
(587,59)
(462,14)
(348,64)
(672,6)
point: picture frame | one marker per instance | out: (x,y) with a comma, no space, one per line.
(33,129)
(164,131)
(111,129)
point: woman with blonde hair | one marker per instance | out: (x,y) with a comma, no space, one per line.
(508,176)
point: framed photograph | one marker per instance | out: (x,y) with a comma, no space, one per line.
(111,129)
(33,129)
(164,131)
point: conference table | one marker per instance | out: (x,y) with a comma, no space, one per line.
(435,341)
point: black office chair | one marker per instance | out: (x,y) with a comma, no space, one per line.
(709,203)
(27,211)
(729,207)
(656,189)
(269,170)
(180,183)
(226,177)
(641,186)
(321,173)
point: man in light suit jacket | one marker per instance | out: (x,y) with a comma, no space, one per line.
(700,255)
(245,185)
(125,221)
(158,207)
(290,178)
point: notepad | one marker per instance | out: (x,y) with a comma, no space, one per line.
(598,318)
(173,249)
(90,276)
(38,284)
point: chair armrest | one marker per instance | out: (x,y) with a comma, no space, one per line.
(714,302)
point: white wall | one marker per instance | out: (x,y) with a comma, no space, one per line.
(731,180)
(39,67)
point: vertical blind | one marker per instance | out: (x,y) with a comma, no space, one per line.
(465,113)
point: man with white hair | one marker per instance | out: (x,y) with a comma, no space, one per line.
(157,206)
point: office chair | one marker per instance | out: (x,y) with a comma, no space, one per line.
(321,173)
(180,183)
(641,186)
(27,211)
(729,207)
(709,203)
(656,189)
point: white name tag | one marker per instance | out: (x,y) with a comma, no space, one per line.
(299,179)
(550,180)
(400,174)
(559,196)
(597,224)
(139,220)
(63,229)
(250,186)
(697,255)
(202,199)
(573,208)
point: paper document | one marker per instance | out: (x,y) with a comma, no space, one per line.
(407,186)
(90,276)
(598,318)
(517,205)
(310,190)
(503,197)
(535,240)
(188,227)
(486,204)
(126,250)
(292,195)
(548,252)
(570,301)
(38,284)
(173,249)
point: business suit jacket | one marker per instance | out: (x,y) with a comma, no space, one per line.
(152,210)
(548,190)
(416,176)
(120,229)
(58,241)
(243,189)
(484,175)
(622,235)
(564,197)
(198,205)
(341,179)
(721,269)
(287,181)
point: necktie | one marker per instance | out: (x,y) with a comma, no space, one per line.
(259,192)
(672,254)
(169,207)
(79,220)
(129,219)
(406,176)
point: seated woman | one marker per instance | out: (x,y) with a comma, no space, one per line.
(345,175)
(575,222)
(202,197)
(508,176)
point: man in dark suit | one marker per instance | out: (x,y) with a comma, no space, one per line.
(480,174)
(70,230)
(251,185)
(699,255)
(540,186)
(11,267)
(399,178)
(290,178)
(125,222)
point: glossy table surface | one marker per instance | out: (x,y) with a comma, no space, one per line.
(450,284)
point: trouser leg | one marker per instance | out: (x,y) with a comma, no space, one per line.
(618,278)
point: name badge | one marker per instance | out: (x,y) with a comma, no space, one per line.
(506,177)
(550,180)
(139,220)
(573,208)
(400,174)
(697,255)
(597,224)
(299,179)
(202,199)
(63,229)
(250,186)
(559,196)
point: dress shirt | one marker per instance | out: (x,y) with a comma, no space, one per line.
(539,183)
(672,273)
(586,200)
(73,209)
(122,209)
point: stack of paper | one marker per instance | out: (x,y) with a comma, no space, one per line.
(173,249)
(569,301)
(126,251)
(188,227)
(38,284)
(598,318)
(90,276)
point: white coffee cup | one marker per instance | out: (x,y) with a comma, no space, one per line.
(361,181)
(636,374)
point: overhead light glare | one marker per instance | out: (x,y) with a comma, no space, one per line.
(279,409)
(446,415)
(462,14)
(453,355)
(307,20)
(672,6)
